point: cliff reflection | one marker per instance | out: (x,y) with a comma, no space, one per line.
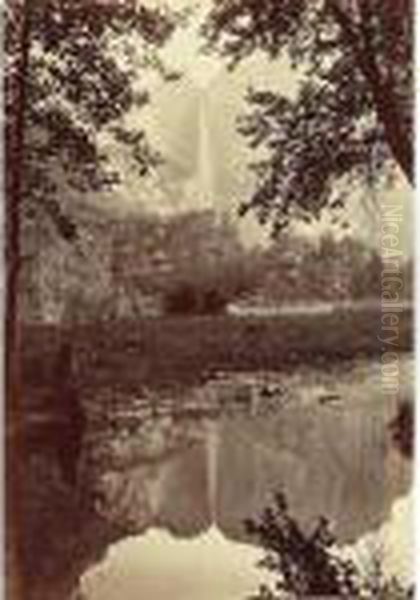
(189,471)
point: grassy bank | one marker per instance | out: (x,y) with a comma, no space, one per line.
(171,350)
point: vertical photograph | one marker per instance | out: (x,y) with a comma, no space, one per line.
(209,299)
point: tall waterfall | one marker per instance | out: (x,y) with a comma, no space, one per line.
(212,446)
(204,158)
(199,189)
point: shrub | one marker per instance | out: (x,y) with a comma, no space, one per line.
(402,428)
(190,299)
(308,564)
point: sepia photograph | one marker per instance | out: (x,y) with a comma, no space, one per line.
(209,307)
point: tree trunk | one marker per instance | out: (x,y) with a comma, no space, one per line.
(396,21)
(15,125)
(357,35)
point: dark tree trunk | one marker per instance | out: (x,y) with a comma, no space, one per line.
(387,103)
(15,126)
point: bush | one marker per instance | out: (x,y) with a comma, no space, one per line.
(402,428)
(306,565)
(189,299)
(180,300)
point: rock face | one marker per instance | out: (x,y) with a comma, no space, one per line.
(187,473)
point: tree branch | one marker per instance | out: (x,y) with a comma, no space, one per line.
(383,96)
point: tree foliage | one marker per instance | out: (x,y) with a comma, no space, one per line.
(402,428)
(295,270)
(188,263)
(65,84)
(352,115)
(308,564)
(203,264)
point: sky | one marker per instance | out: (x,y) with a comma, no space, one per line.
(193,123)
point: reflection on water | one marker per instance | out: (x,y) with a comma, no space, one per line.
(159,566)
(154,496)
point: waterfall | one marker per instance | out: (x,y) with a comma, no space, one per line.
(212,446)
(204,158)
(199,188)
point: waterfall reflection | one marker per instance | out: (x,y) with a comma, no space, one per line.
(186,466)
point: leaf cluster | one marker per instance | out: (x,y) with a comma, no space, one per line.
(65,85)
(307,564)
(350,120)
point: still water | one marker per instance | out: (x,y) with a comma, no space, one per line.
(150,502)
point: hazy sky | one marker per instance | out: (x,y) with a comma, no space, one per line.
(193,123)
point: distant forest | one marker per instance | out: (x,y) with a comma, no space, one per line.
(190,263)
